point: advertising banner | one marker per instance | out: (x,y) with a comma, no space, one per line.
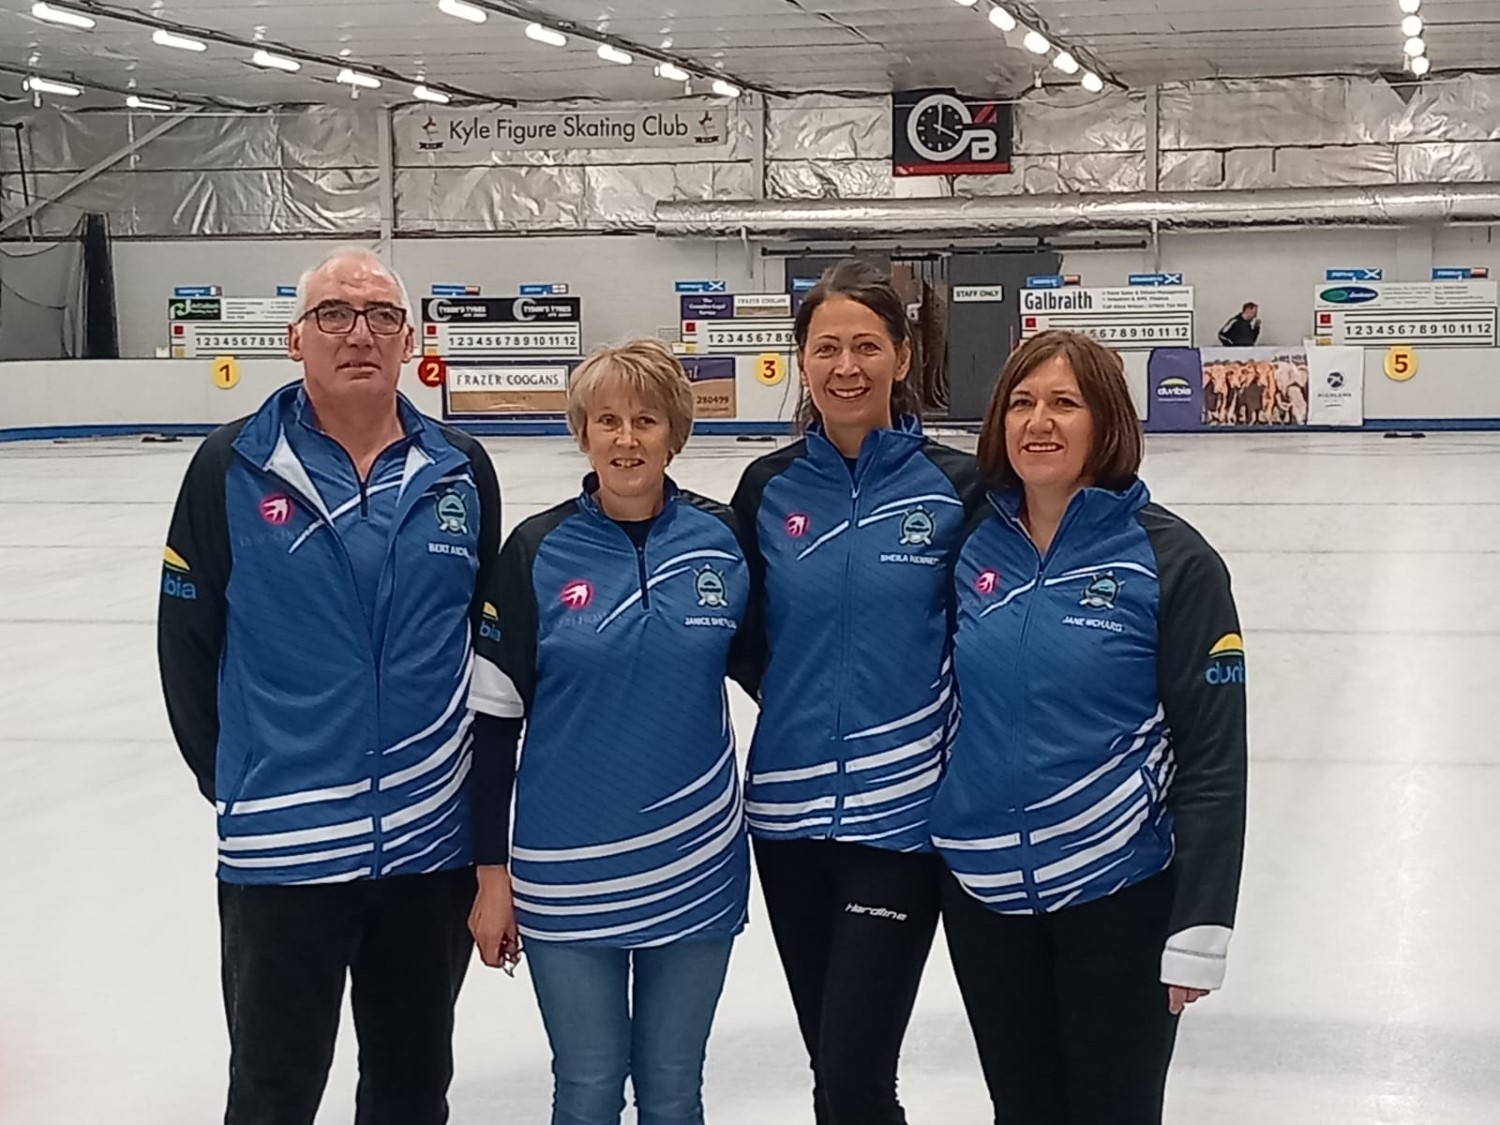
(1132,317)
(239,326)
(1174,390)
(707,306)
(713,379)
(1254,386)
(474,327)
(942,133)
(484,391)
(1336,386)
(1452,314)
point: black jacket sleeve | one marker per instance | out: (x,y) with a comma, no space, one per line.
(192,604)
(504,687)
(1201,681)
(1226,337)
(487,484)
(750,650)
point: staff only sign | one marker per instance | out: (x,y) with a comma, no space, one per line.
(458,133)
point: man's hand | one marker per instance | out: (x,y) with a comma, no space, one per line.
(1179,998)
(493,921)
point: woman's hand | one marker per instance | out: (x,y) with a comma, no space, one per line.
(1179,998)
(493,921)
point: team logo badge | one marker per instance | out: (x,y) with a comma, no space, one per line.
(176,578)
(987,582)
(1101,593)
(917,527)
(797,524)
(1226,661)
(577,594)
(276,509)
(489,623)
(709,586)
(452,513)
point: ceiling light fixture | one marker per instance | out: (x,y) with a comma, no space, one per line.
(968,3)
(1410,6)
(428,94)
(1002,19)
(1414,46)
(1092,82)
(463,11)
(275,62)
(47,86)
(615,55)
(1066,63)
(546,35)
(671,73)
(1420,65)
(164,38)
(134,102)
(1411,25)
(725,89)
(355,78)
(63,16)
(1036,43)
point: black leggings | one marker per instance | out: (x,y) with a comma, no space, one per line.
(1068,1009)
(853,925)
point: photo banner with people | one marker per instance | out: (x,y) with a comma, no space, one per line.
(1254,388)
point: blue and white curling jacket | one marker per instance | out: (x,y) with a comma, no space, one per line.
(629,821)
(856,695)
(1104,719)
(315,641)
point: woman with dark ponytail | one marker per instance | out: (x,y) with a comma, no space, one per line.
(853,529)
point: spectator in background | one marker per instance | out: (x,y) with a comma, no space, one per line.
(1243,329)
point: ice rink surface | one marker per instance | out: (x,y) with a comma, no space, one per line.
(1364,981)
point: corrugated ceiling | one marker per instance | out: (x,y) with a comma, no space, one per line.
(778,45)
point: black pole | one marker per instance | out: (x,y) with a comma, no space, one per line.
(101,335)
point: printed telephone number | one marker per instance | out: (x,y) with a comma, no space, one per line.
(1392,330)
(273,341)
(514,341)
(749,338)
(1124,333)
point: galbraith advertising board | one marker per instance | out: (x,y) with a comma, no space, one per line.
(1130,318)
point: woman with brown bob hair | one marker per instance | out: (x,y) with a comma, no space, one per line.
(1092,817)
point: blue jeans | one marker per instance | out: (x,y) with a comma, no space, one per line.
(603,1029)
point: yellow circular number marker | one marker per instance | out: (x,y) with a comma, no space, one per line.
(226,372)
(770,369)
(1400,363)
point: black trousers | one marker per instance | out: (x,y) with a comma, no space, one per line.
(853,926)
(286,951)
(1068,1009)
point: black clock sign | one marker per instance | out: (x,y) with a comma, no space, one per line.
(939,133)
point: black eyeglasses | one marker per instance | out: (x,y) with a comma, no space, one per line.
(339,319)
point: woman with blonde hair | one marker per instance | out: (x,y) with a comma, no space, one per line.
(609,626)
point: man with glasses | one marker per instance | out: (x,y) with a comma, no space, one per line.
(315,635)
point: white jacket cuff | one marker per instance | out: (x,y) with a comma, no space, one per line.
(493,692)
(1195,958)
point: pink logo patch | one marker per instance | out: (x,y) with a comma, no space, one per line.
(987,582)
(276,509)
(797,524)
(577,594)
